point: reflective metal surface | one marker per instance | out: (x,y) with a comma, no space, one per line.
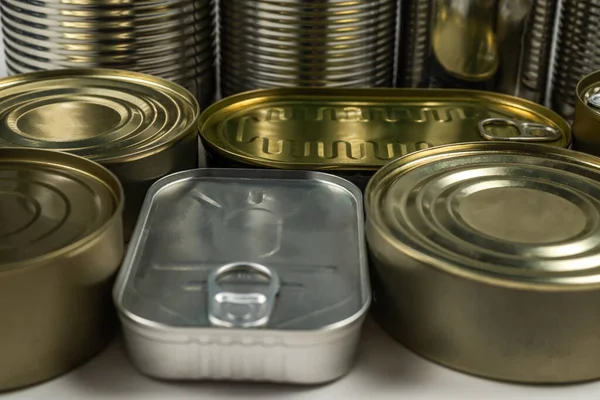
(498,243)
(172,39)
(586,123)
(265,268)
(333,43)
(61,242)
(499,45)
(363,129)
(576,52)
(141,127)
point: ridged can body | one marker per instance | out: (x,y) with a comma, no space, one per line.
(140,127)
(172,39)
(484,259)
(577,52)
(292,43)
(61,244)
(498,45)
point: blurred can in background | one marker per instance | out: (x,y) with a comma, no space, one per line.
(498,45)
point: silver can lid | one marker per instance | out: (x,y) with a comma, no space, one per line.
(238,248)
(527,213)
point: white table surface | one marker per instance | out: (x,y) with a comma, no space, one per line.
(384,370)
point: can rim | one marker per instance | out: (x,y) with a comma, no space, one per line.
(384,175)
(138,78)
(259,96)
(57,157)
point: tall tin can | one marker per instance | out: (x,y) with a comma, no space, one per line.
(485,258)
(586,122)
(576,52)
(171,39)
(61,243)
(139,126)
(498,45)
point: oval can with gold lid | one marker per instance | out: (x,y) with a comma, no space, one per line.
(141,127)
(354,132)
(486,259)
(61,243)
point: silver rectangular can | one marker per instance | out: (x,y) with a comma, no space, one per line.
(256,275)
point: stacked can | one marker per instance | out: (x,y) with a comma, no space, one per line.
(288,43)
(171,39)
(577,52)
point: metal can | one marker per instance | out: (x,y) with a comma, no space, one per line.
(172,39)
(61,243)
(499,45)
(141,127)
(576,54)
(246,275)
(300,43)
(587,114)
(485,259)
(355,132)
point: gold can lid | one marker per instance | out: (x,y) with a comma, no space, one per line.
(105,115)
(364,129)
(524,214)
(51,203)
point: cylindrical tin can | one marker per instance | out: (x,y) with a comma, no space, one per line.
(140,127)
(354,132)
(499,45)
(264,273)
(61,243)
(485,259)
(576,52)
(296,43)
(586,122)
(172,39)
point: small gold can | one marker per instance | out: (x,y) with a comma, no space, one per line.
(140,127)
(61,244)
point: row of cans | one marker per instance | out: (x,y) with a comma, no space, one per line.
(479,249)
(498,45)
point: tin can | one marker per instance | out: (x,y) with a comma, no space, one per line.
(485,259)
(300,43)
(587,114)
(172,39)
(246,275)
(497,45)
(355,132)
(61,243)
(141,127)
(576,54)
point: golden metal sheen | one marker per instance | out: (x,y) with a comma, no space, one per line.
(586,122)
(140,127)
(61,243)
(486,259)
(364,129)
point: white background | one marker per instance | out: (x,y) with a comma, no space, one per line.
(384,370)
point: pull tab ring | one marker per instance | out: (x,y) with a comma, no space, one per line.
(525,131)
(228,309)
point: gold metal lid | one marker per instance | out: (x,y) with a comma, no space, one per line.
(364,129)
(105,115)
(51,203)
(509,213)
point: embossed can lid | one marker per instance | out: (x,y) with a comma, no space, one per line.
(235,248)
(509,213)
(101,114)
(51,203)
(364,129)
